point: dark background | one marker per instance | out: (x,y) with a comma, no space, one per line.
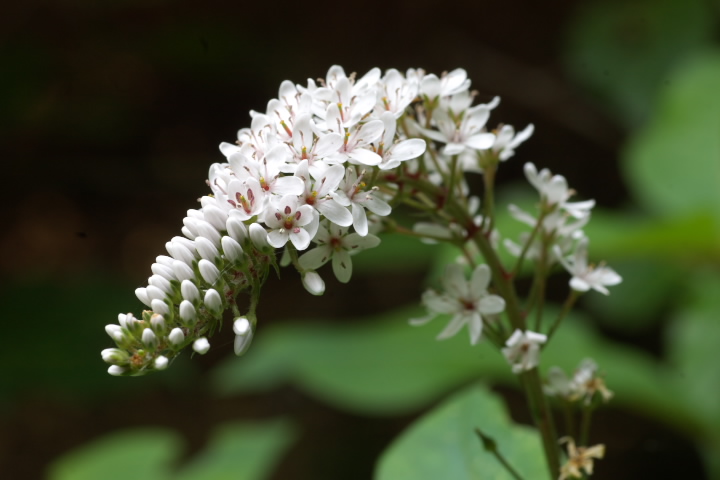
(111,116)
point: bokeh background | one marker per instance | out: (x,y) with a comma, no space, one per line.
(111,114)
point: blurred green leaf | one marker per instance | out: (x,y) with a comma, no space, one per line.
(622,51)
(443,443)
(140,454)
(693,344)
(383,366)
(647,292)
(692,238)
(674,163)
(240,451)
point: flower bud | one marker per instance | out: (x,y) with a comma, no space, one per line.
(182,271)
(163,270)
(258,236)
(164,260)
(180,252)
(313,283)
(155,293)
(187,313)
(213,301)
(132,324)
(189,291)
(201,345)
(206,249)
(160,363)
(188,233)
(141,294)
(206,230)
(149,339)
(115,332)
(177,337)
(215,217)
(162,283)
(232,249)
(243,335)
(116,370)
(157,322)
(160,307)
(236,229)
(209,271)
(115,356)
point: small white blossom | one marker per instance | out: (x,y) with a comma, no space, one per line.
(585,276)
(201,345)
(522,350)
(288,220)
(335,243)
(467,301)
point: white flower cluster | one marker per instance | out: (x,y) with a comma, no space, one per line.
(306,170)
(585,383)
(560,230)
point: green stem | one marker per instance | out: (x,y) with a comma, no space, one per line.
(585,423)
(526,247)
(490,445)
(569,418)
(567,306)
(489,198)
(540,410)
(541,280)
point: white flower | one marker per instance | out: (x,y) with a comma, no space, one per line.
(580,458)
(352,193)
(288,220)
(522,350)
(506,140)
(395,93)
(467,301)
(247,197)
(393,153)
(454,82)
(460,135)
(335,243)
(554,190)
(584,276)
(316,192)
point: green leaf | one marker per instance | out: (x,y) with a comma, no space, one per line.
(443,443)
(140,454)
(241,451)
(381,366)
(648,289)
(674,164)
(693,344)
(622,51)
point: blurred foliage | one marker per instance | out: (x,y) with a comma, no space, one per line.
(623,51)
(674,162)
(243,450)
(443,443)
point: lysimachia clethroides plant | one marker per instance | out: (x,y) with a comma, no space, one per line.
(315,179)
